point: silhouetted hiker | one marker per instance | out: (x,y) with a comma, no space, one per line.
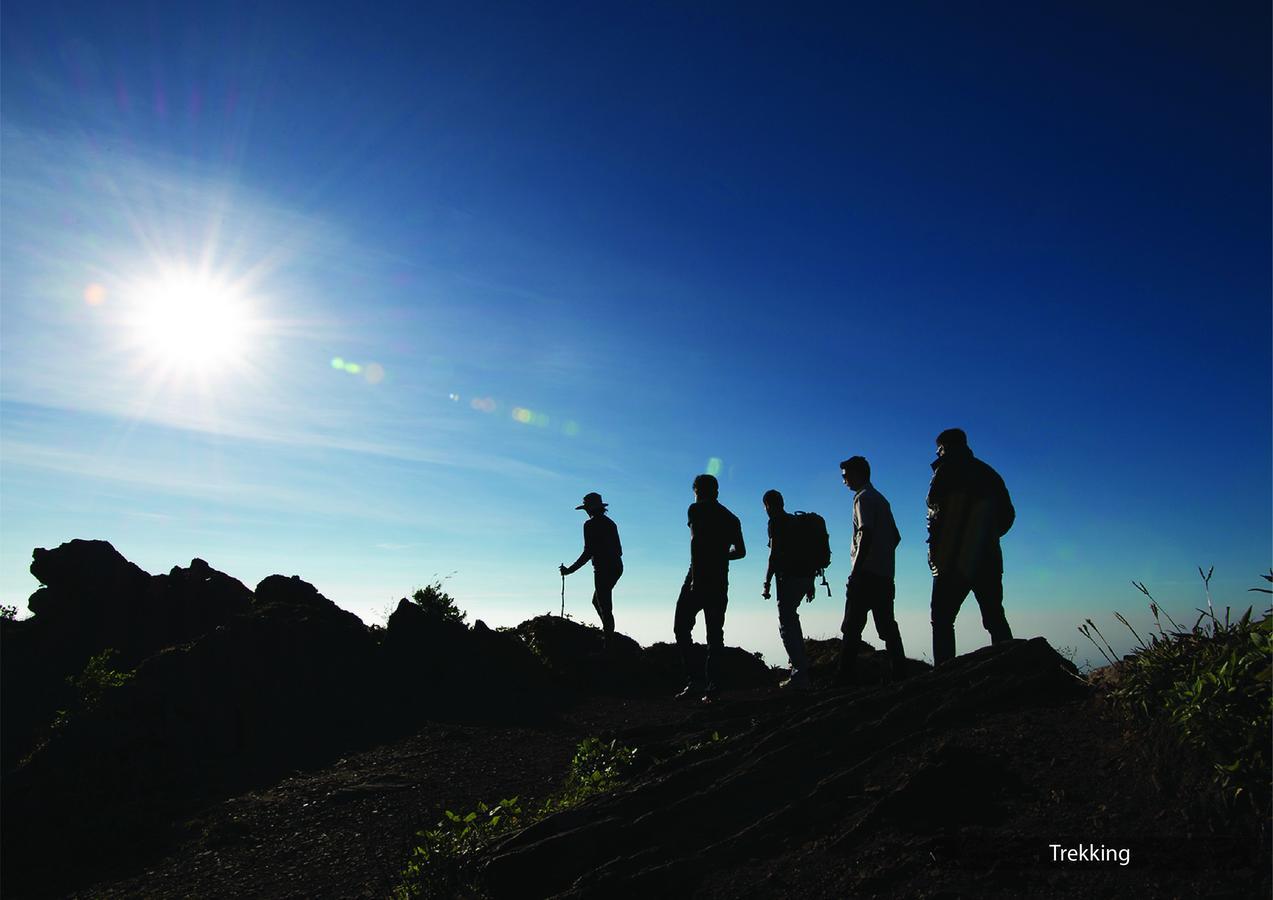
(601,545)
(793,586)
(968,511)
(870,588)
(716,537)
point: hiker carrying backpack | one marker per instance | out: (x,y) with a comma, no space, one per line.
(808,547)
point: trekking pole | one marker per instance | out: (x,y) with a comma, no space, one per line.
(563,596)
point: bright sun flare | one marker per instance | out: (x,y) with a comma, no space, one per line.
(191,322)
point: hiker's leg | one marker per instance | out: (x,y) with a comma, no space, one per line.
(988,589)
(603,599)
(886,625)
(683,626)
(714,603)
(791,592)
(949,592)
(857,603)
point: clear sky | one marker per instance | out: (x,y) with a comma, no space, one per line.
(370,293)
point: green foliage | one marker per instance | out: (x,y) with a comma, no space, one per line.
(597,768)
(1209,685)
(91,685)
(443,863)
(438,604)
(8,613)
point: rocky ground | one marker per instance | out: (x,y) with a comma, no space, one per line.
(962,810)
(264,743)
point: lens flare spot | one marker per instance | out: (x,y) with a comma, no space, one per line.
(714,466)
(454,398)
(539,420)
(571,428)
(375,373)
(95,294)
(353,368)
(483,404)
(523,415)
(338,363)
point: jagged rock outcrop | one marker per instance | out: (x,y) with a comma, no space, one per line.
(231,687)
(445,669)
(816,766)
(286,684)
(92,599)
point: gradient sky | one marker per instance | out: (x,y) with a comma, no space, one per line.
(489,257)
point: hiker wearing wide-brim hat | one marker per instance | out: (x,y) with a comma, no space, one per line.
(601,545)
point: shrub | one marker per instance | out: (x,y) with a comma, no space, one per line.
(438,604)
(1208,688)
(8,613)
(443,863)
(597,768)
(91,685)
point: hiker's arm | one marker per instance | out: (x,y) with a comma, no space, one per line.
(737,548)
(583,557)
(864,546)
(769,570)
(575,566)
(1007,514)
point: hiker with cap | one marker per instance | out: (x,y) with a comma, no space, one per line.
(870,589)
(969,510)
(601,545)
(716,537)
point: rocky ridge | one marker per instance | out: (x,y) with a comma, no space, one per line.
(270,744)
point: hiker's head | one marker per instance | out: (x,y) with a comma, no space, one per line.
(706,487)
(773,502)
(593,504)
(951,439)
(855,471)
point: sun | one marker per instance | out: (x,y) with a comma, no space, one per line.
(191,322)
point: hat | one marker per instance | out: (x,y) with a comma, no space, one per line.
(591,500)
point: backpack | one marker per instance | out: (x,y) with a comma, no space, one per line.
(808,546)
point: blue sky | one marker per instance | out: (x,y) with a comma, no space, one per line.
(485,258)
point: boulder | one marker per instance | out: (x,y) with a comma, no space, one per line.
(93,599)
(582,663)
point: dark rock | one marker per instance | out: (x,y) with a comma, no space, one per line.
(446,669)
(92,600)
(582,662)
(872,665)
(77,569)
(739,669)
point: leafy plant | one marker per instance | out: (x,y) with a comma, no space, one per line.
(438,604)
(1208,688)
(597,768)
(8,613)
(443,863)
(91,685)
